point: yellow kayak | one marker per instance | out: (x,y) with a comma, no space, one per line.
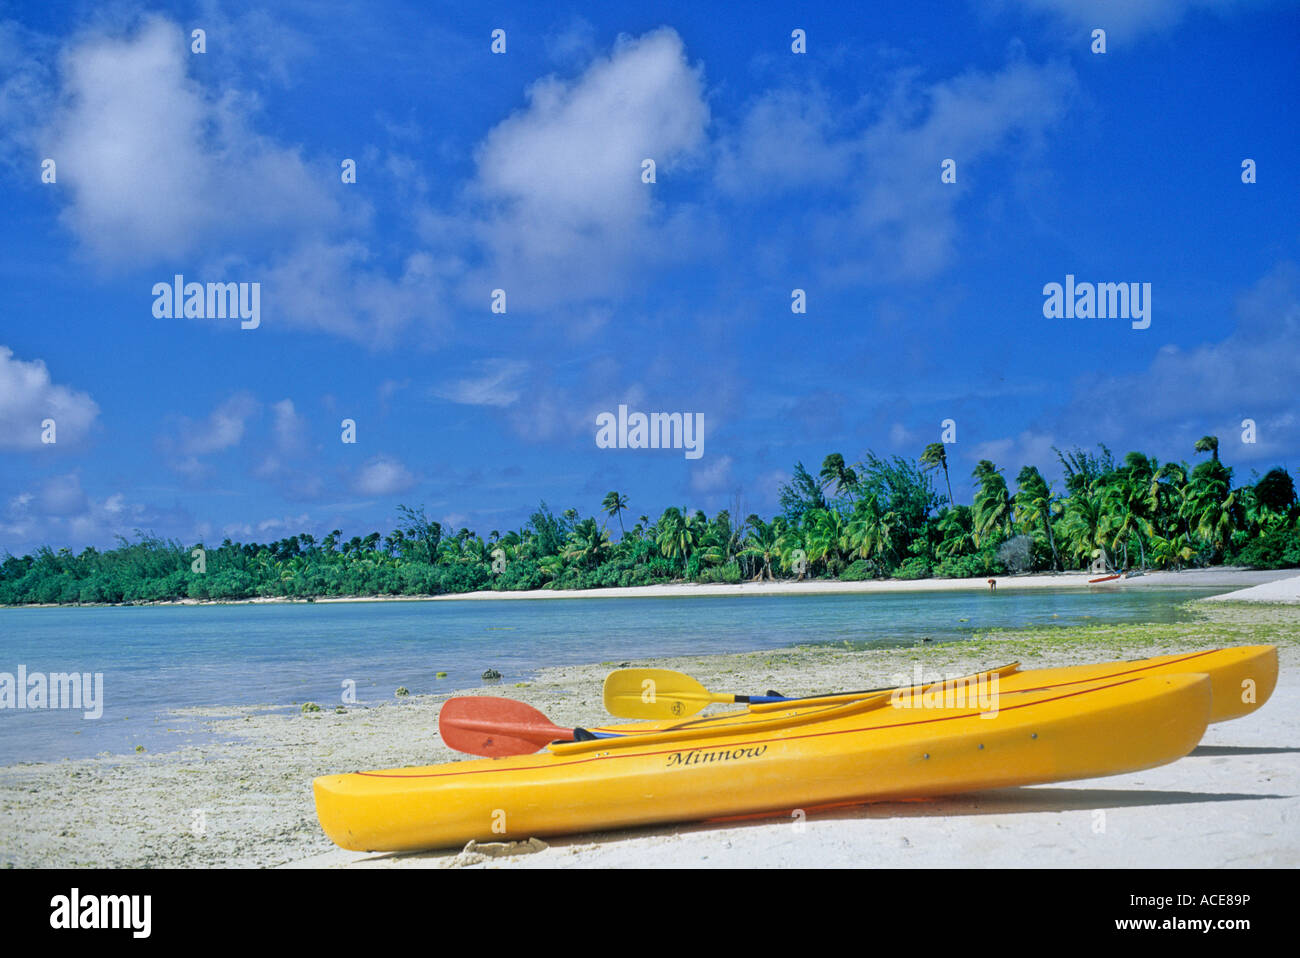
(804,755)
(1241,679)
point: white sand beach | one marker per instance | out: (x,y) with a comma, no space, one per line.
(1279,590)
(245,801)
(1220,577)
(1189,579)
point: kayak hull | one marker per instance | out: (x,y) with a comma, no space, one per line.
(804,757)
(1241,678)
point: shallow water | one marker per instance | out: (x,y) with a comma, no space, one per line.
(160,658)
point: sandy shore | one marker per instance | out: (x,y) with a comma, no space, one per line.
(1279,590)
(246,800)
(1220,577)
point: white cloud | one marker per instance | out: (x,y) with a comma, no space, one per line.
(1186,393)
(785,140)
(288,427)
(223,428)
(900,436)
(328,286)
(1125,18)
(498,384)
(63,496)
(906,213)
(288,443)
(715,475)
(552,413)
(391,387)
(890,216)
(562,177)
(158,169)
(155,165)
(268,529)
(58,512)
(25,93)
(769,486)
(254,44)
(28,396)
(383,476)
(188,441)
(1029,448)
(576,41)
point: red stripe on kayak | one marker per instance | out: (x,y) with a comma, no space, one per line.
(761,741)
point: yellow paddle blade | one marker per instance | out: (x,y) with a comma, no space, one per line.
(656,694)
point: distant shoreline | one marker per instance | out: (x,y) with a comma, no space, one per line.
(1225,577)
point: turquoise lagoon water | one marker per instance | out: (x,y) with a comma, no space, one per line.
(156,659)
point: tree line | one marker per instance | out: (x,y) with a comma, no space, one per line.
(875,518)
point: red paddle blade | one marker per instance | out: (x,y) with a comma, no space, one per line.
(483,725)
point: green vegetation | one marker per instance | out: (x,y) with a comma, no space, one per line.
(876,518)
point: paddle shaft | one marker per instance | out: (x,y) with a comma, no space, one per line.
(766,699)
(529,730)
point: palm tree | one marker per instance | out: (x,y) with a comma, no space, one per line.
(790,542)
(614,504)
(1211,505)
(678,535)
(1126,496)
(1083,525)
(552,566)
(1166,495)
(870,531)
(1275,493)
(826,538)
(587,544)
(1034,498)
(761,544)
(835,473)
(992,500)
(1173,551)
(936,456)
(1209,444)
(957,529)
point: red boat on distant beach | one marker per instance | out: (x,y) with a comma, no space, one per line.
(1104,578)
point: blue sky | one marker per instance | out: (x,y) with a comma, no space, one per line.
(522,171)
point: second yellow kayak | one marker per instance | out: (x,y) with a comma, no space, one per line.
(1241,680)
